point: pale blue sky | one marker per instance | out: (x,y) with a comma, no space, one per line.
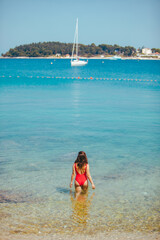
(122,22)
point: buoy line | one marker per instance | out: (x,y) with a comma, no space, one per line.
(84,78)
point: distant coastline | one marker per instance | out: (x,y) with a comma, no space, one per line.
(64,50)
(91,58)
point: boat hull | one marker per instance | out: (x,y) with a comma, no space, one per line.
(76,63)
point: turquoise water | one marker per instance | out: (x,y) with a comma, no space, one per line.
(49,112)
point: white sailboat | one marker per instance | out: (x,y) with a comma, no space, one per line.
(75,61)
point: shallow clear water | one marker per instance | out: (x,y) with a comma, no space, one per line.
(45,121)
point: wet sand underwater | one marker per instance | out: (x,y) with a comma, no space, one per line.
(101,236)
(22,217)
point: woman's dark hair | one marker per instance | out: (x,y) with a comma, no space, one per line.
(81,159)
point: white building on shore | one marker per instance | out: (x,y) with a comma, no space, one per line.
(146,51)
(58,55)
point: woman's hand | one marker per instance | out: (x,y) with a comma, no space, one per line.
(93,186)
(71,185)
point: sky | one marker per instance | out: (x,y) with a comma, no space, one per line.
(123,22)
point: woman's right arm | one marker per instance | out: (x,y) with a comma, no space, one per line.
(89,177)
(73,175)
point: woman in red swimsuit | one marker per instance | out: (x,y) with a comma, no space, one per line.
(81,170)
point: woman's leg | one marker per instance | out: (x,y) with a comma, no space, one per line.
(78,188)
(85,186)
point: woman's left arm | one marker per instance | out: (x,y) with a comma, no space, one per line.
(72,176)
(89,177)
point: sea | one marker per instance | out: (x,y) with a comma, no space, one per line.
(49,111)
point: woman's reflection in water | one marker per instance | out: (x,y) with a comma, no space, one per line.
(80,205)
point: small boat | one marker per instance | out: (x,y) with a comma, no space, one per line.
(116,58)
(75,61)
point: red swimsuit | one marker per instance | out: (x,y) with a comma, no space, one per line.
(81,178)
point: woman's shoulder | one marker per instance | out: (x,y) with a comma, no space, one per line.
(87,166)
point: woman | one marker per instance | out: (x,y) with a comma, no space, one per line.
(81,170)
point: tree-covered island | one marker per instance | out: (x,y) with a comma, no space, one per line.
(49,49)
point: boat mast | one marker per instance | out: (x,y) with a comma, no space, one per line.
(77,39)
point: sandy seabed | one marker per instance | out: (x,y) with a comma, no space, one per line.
(114,235)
